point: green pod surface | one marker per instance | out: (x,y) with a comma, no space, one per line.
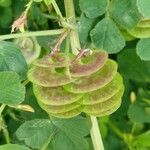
(57,61)
(48,77)
(59,109)
(94,81)
(144,23)
(104,106)
(89,65)
(56,96)
(104,93)
(66,115)
(108,111)
(140,32)
(127,36)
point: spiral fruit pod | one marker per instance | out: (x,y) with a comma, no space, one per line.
(29,48)
(92,86)
(142,30)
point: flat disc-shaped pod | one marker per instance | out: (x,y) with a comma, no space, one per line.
(59,109)
(89,64)
(56,61)
(144,23)
(95,81)
(140,32)
(104,93)
(56,96)
(66,115)
(48,77)
(109,111)
(104,106)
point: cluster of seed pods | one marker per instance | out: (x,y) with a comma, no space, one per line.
(90,84)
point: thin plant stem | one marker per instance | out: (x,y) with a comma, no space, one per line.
(57,9)
(95,135)
(74,37)
(75,45)
(6,135)
(30,34)
(2,108)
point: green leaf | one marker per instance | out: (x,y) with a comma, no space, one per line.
(125,13)
(133,67)
(137,113)
(107,36)
(86,24)
(143,139)
(72,132)
(12,92)
(12,59)
(93,8)
(143,49)
(5,3)
(143,7)
(13,147)
(35,132)
(6,16)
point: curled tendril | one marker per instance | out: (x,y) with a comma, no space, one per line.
(95,86)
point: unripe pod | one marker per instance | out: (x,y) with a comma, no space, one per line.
(93,87)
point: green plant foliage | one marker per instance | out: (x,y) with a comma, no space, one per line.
(12,59)
(143,49)
(56,74)
(13,147)
(139,70)
(5,3)
(125,13)
(69,132)
(85,26)
(143,7)
(94,8)
(107,36)
(11,90)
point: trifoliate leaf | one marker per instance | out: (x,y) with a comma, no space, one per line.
(143,7)
(143,49)
(13,147)
(72,133)
(125,13)
(107,36)
(93,8)
(12,92)
(35,132)
(11,59)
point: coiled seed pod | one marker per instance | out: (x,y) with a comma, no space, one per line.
(142,30)
(29,48)
(93,87)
